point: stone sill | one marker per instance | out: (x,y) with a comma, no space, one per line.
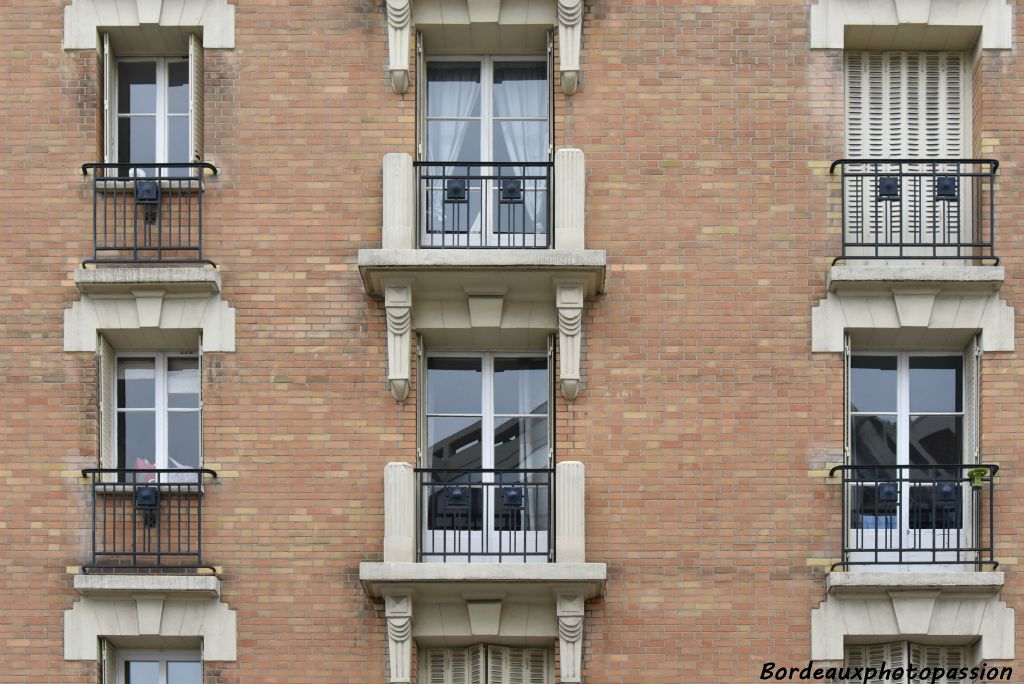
(123,278)
(587,578)
(131,585)
(883,582)
(960,276)
(376,262)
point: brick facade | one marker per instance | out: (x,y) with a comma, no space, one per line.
(704,420)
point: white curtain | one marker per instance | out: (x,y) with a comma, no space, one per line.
(456,86)
(519,98)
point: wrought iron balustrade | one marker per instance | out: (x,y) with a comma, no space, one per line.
(918,515)
(147,518)
(918,208)
(486,515)
(145,213)
(486,205)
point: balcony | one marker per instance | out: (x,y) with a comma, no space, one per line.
(483,555)
(147,213)
(482,254)
(918,209)
(931,517)
(147,519)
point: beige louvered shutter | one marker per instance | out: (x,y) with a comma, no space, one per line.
(972,401)
(107,375)
(476,655)
(195,61)
(458,666)
(497,664)
(847,394)
(892,656)
(435,664)
(109,126)
(538,668)
(932,657)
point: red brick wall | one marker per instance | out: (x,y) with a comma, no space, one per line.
(707,128)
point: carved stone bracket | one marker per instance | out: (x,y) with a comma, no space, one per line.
(398,615)
(398,307)
(569,609)
(570,34)
(569,296)
(399,21)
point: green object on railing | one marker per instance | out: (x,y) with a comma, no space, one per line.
(976,476)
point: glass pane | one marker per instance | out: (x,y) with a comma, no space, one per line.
(136,141)
(453,141)
(875,507)
(177,87)
(936,384)
(453,89)
(521,89)
(873,384)
(938,506)
(184,673)
(521,141)
(935,440)
(455,442)
(520,385)
(454,385)
(520,443)
(141,672)
(177,142)
(136,439)
(136,383)
(183,439)
(182,383)
(874,444)
(136,88)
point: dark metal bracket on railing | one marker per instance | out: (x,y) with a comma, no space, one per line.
(915,208)
(148,213)
(149,518)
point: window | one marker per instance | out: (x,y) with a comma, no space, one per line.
(153,107)
(482,664)
(159,667)
(912,421)
(492,113)
(158,411)
(897,655)
(488,487)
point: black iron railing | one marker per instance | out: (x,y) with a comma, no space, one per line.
(147,518)
(147,212)
(486,205)
(918,208)
(918,515)
(486,515)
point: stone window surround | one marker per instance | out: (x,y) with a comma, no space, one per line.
(400,18)
(829,19)
(141,607)
(83,19)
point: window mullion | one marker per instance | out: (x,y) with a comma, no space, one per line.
(161,111)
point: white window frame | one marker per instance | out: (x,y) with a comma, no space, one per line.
(160,408)
(486,118)
(162,115)
(163,657)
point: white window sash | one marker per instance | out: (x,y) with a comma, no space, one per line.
(161,657)
(162,142)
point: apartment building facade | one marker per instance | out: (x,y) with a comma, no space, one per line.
(495,341)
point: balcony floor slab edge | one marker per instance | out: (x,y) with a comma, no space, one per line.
(869,582)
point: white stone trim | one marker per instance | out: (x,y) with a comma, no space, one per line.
(896,606)
(569,608)
(569,295)
(399,15)
(82,19)
(829,18)
(398,618)
(570,38)
(113,606)
(913,304)
(398,312)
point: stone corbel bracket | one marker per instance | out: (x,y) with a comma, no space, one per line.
(398,310)
(399,23)
(569,295)
(570,38)
(570,611)
(398,617)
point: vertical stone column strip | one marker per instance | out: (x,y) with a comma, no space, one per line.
(399,21)
(569,301)
(570,34)
(570,191)
(398,616)
(569,609)
(399,513)
(570,530)
(398,307)
(399,227)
